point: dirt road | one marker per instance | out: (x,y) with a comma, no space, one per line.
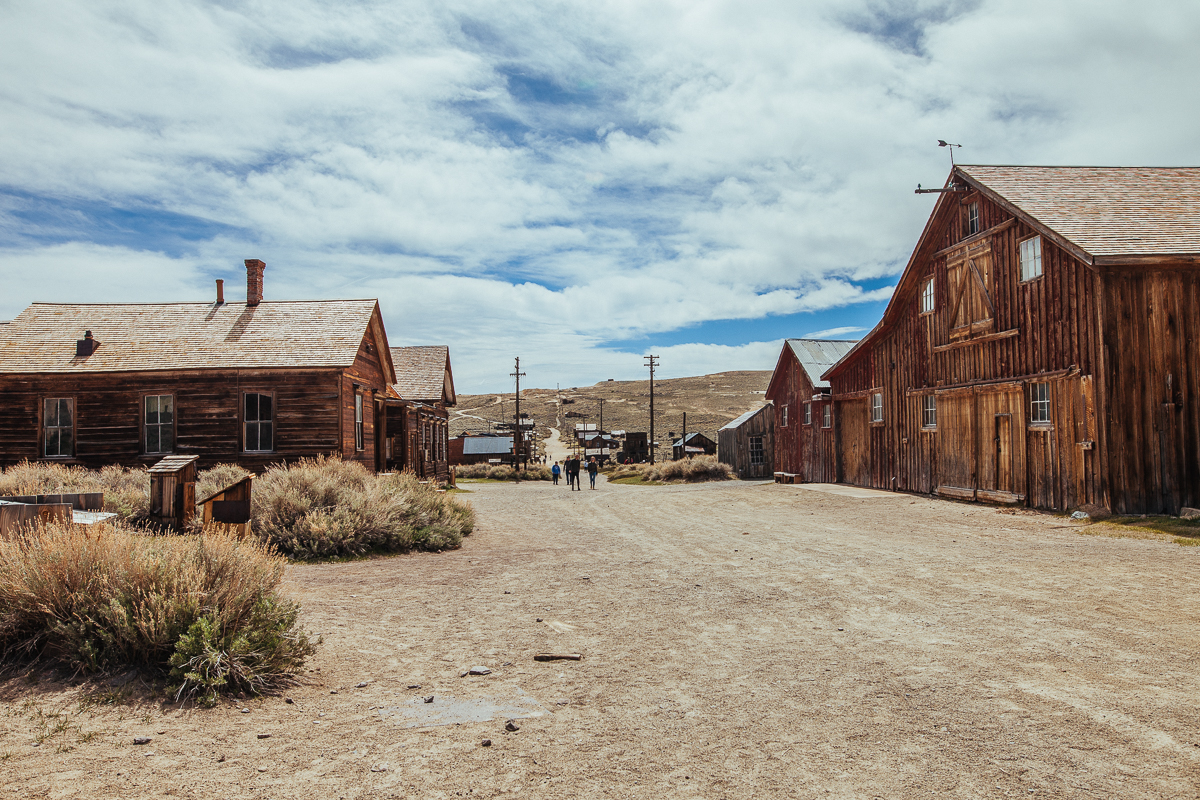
(738,641)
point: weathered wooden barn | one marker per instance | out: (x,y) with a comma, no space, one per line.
(805,445)
(254,383)
(747,443)
(481,449)
(1040,347)
(418,416)
(697,445)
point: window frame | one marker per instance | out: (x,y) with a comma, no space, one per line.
(1039,407)
(783,415)
(258,421)
(808,413)
(44,429)
(160,425)
(760,453)
(973,225)
(929,412)
(1039,260)
(876,407)
(928,297)
(826,415)
(360,443)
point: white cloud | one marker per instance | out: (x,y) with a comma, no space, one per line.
(844,332)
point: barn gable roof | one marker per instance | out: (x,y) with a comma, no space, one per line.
(743,419)
(1101,215)
(179,336)
(818,355)
(423,373)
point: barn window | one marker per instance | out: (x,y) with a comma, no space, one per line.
(1031,258)
(358,421)
(808,413)
(160,423)
(877,407)
(756,449)
(58,427)
(972,219)
(1039,402)
(826,416)
(927,297)
(783,417)
(929,411)
(259,420)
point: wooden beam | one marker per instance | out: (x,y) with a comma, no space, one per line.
(989,337)
(970,240)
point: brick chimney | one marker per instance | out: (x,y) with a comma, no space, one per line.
(220,291)
(86,346)
(254,281)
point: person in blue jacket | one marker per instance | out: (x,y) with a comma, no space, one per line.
(555,471)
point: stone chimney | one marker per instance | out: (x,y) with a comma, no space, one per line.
(254,281)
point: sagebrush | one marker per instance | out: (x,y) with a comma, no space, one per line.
(203,611)
(693,469)
(126,490)
(502,472)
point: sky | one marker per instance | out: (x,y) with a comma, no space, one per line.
(575,183)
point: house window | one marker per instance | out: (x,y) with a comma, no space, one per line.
(927,297)
(972,219)
(160,423)
(928,411)
(259,421)
(808,413)
(826,416)
(358,421)
(58,427)
(877,407)
(783,419)
(1039,402)
(756,449)
(1031,258)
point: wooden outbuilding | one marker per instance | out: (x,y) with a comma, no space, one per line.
(697,444)
(481,449)
(805,446)
(1041,345)
(253,383)
(418,426)
(747,443)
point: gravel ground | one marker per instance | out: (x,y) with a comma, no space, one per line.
(739,640)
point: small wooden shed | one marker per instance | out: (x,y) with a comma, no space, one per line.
(747,443)
(230,506)
(173,490)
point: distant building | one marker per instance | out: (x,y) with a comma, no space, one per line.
(635,448)
(418,427)
(804,443)
(481,449)
(697,444)
(747,443)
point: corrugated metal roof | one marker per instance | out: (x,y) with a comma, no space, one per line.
(421,372)
(818,355)
(169,336)
(487,445)
(1106,211)
(737,423)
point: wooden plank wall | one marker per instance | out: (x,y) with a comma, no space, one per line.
(1152,388)
(733,445)
(785,389)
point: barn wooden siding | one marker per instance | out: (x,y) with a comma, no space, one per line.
(733,445)
(804,453)
(1042,330)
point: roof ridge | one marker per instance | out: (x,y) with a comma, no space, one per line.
(211,303)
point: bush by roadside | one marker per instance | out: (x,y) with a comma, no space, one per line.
(126,491)
(501,472)
(328,508)
(694,469)
(203,611)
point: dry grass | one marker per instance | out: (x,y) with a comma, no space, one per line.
(1184,532)
(328,508)
(203,610)
(126,491)
(694,469)
(501,472)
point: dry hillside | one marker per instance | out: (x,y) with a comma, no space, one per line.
(709,400)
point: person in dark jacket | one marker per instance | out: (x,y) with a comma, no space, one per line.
(592,469)
(573,473)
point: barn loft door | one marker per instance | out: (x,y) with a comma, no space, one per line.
(972,311)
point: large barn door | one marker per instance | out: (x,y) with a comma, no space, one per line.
(1001,463)
(957,446)
(855,442)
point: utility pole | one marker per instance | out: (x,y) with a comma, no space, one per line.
(651,362)
(601,430)
(519,433)
(683,441)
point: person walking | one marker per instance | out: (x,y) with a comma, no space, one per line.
(573,471)
(555,472)
(592,468)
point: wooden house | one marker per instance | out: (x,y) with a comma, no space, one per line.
(418,416)
(747,443)
(253,383)
(804,447)
(1041,345)
(635,448)
(481,449)
(697,444)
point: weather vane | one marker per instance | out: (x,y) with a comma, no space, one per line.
(950,187)
(944,143)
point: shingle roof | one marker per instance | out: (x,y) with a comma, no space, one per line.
(1106,211)
(818,355)
(421,372)
(170,336)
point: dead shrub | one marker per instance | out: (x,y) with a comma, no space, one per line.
(204,611)
(126,490)
(329,508)
(502,472)
(693,469)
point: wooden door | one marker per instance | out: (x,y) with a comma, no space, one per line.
(1001,460)
(957,446)
(855,442)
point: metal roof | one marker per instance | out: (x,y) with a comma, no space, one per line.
(737,423)
(689,437)
(170,336)
(423,373)
(1106,211)
(818,355)
(487,445)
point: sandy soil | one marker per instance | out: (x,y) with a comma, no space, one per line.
(738,641)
